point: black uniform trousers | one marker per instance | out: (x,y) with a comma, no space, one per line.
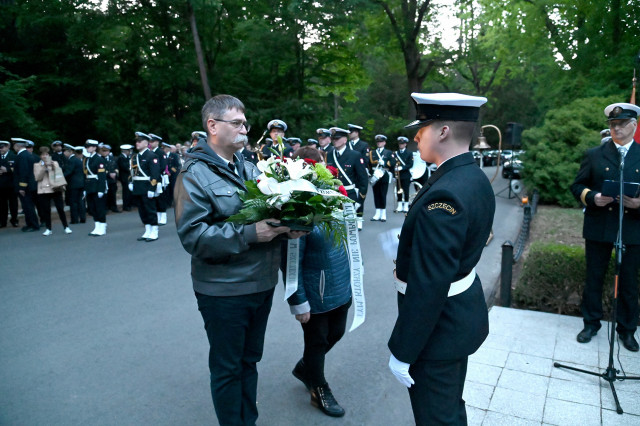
(405,184)
(321,333)
(235,327)
(45,207)
(126,193)
(380,190)
(146,209)
(97,207)
(598,256)
(8,204)
(436,396)
(112,203)
(29,209)
(77,210)
(161,206)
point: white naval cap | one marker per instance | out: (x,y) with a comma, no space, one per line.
(277,124)
(445,106)
(22,141)
(126,146)
(354,128)
(91,142)
(67,146)
(142,136)
(198,134)
(621,111)
(337,133)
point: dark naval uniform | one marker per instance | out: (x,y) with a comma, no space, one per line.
(250,156)
(174,164)
(95,171)
(145,176)
(384,159)
(353,174)
(404,163)
(600,230)
(8,197)
(124,173)
(75,177)
(112,183)
(24,180)
(161,205)
(441,241)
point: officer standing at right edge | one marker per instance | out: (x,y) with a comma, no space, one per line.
(442,314)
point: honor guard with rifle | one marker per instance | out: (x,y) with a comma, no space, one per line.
(95,187)
(351,168)
(404,162)
(145,178)
(381,162)
(161,205)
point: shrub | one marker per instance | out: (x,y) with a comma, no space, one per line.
(553,277)
(554,150)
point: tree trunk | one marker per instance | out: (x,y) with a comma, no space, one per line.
(201,65)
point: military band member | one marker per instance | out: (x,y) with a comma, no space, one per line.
(276,128)
(363,148)
(112,177)
(124,174)
(145,176)
(161,205)
(404,163)
(8,197)
(173,167)
(74,176)
(351,169)
(381,161)
(601,220)
(57,153)
(442,315)
(24,183)
(95,187)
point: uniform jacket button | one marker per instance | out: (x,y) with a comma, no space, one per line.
(626,211)
(606,169)
(610,209)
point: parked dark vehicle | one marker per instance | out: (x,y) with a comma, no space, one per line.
(490,157)
(477,155)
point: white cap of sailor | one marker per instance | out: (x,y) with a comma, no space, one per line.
(445,106)
(277,124)
(126,146)
(621,111)
(337,133)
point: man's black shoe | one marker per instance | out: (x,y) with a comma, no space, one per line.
(629,341)
(586,334)
(322,398)
(14,223)
(300,374)
(29,229)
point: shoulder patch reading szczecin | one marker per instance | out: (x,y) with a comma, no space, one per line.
(442,206)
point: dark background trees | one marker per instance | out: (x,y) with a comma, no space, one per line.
(73,70)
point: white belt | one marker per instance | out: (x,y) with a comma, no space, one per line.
(92,177)
(350,187)
(455,289)
(140,177)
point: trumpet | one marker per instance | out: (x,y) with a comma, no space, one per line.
(396,172)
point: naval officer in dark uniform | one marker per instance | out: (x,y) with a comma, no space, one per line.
(95,187)
(404,163)
(8,197)
(351,168)
(25,185)
(442,315)
(381,161)
(145,176)
(600,228)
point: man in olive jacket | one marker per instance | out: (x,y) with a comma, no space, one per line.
(234,267)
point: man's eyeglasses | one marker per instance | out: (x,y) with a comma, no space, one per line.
(236,123)
(619,124)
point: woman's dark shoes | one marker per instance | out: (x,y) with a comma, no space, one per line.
(300,373)
(629,341)
(586,334)
(322,398)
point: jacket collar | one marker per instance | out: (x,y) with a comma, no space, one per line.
(447,166)
(203,152)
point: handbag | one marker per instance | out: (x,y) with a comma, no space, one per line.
(56,179)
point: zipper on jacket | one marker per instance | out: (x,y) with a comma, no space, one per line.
(321,287)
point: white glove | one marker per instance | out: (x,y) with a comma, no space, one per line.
(401,371)
(356,206)
(130,186)
(151,194)
(100,194)
(84,194)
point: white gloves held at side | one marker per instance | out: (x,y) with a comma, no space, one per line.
(401,371)
(100,194)
(151,194)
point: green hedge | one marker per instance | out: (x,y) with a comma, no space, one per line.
(553,277)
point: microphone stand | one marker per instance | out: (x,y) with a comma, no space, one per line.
(611,374)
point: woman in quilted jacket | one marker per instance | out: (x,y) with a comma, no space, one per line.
(321,305)
(43,172)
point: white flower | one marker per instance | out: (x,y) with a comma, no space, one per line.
(298,169)
(267,185)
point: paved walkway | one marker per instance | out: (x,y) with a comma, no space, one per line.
(512,381)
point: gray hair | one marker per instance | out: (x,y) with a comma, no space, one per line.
(218,106)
